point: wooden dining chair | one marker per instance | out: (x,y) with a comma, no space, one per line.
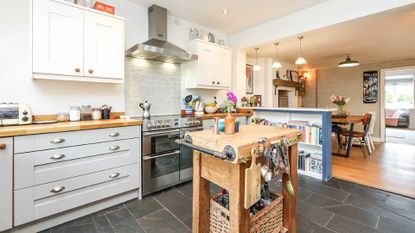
(361,136)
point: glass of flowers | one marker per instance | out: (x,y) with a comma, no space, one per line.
(229,107)
(340,102)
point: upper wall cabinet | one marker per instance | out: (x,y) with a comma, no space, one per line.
(212,70)
(75,43)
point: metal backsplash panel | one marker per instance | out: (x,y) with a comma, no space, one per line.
(156,82)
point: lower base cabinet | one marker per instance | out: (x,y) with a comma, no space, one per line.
(6,183)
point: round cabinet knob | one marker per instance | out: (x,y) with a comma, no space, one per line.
(25,112)
(213,82)
(25,119)
(90,71)
(218,83)
(77,70)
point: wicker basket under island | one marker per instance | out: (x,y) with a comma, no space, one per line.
(226,161)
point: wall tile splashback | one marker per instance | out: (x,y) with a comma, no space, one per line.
(157,82)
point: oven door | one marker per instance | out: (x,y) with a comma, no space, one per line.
(160,142)
(186,157)
(160,171)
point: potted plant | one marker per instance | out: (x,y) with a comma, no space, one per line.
(229,107)
(340,102)
(244,101)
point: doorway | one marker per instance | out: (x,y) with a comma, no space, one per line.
(398,105)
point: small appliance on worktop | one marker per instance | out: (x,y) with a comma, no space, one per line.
(165,163)
(15,114)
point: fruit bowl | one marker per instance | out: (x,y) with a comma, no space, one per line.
(209,109)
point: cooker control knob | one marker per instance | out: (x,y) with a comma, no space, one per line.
(25,112)
(186,123)
(176,123)
(167,124)
(25,119)
(162,125)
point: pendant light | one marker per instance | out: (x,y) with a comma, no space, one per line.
(256,66)
(348,62)
(300,60)
(276,63)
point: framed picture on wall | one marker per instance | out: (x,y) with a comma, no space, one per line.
(370,87)
(249,79)
(294,76)
(258,101)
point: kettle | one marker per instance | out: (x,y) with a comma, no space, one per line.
(146,107)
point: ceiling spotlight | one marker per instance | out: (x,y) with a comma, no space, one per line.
(225,11)
(348,62)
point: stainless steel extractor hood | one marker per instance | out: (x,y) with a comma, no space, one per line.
(157,47)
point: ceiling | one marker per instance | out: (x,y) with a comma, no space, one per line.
(382,37)
(241,14)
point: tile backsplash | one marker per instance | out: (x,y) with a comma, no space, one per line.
(157,82)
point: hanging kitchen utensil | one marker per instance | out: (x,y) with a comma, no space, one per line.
(252,181)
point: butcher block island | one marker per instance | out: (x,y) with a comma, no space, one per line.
(245,203)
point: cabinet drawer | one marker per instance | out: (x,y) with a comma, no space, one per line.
(6,183)
(44,200)
(46,166)
(73,138)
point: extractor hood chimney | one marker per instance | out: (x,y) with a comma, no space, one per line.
(157,47)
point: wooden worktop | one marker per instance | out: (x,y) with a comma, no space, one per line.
(10,131)
(241,113)
(244,140)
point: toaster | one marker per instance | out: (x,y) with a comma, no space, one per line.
(15,114)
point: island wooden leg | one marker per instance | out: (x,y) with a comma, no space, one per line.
(290,203)
(201,191)
(238,215)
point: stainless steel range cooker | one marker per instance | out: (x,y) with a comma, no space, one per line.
(165,163)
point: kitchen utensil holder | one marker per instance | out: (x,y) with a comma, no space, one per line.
(269,219)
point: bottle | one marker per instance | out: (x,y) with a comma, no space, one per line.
(229,124)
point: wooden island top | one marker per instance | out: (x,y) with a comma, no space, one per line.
(20,130)
(242,141)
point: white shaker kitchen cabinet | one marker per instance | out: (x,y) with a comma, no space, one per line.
(104,46)
(212,70)
(6,183)
(57,38)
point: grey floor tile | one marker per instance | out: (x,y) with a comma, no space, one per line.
(102,224)
(313,213)
(367,218)
(140,208)
(123,222)
(177,203)
(302,194)
(84,225)
(305,226)
(343,225)
(342,185)
(321,201)
(360,202)
(214,189)
(45,231)
(319,187)
(387,225)
(371,194)
(188,222)
(109,210)
(390,214)
(162,222)
(186,189)
(401,207)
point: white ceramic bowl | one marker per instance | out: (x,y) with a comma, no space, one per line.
(209,109)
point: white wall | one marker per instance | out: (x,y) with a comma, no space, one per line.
(49,97)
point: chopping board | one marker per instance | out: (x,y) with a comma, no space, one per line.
(252,182)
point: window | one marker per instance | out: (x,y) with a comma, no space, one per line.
(399,92)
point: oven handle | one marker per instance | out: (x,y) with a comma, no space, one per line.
(186,130)
(161,133)
(160,156)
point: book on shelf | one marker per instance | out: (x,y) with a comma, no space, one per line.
(310,162)
(312,134)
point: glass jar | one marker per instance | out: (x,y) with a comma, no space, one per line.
(86,113)
(62,117)
(75,113)
(96,114)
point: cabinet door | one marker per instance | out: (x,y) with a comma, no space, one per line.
(6,179)
(104,46)
(224,57)
(57,38)
(207,65)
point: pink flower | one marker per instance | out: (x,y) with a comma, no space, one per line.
(232,97)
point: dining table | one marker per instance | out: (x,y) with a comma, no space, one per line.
(350,120)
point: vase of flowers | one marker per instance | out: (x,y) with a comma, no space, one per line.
(340,102)
(230,106)
(244,101)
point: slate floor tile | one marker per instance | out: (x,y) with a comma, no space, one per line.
(102,224)
(186,189)
(84,225)
(359,202)
(179,204)
(367,218)
(123,222)
(305,226)
(109,210)
(321,201)
(319,187)
(342,185)
(387,225)
(314,213)
(343,225)
(376,196)
(189,222)
(162,222)
(140,208)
